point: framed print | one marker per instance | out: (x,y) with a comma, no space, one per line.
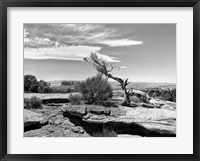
(81,79)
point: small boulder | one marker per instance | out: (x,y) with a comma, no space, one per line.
(78,129)
(156,103)
(99,110)
(74,110)
(58,122)
(87,116)
(139,96)
(50,128)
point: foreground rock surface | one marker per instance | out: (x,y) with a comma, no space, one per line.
(134,121)
(55,119)
(32,118)
(56,125)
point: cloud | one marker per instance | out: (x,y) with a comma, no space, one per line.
(39,42)
(78,27)
(78,34)
(66,53)
(123,67)
(73,41)
(108,58)
(69,34)
(122,42)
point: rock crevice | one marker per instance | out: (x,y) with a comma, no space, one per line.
(93,122)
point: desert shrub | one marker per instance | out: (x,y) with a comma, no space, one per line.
(77,86)
(75,99)
(119,93)
(46,90)
(44,87)
(164,94)
(109,104)
(173,95)
(34,88)
(33,102)
(30,83)
(42,83)
(67,83)
(96,90)
(106,132)
(61,89)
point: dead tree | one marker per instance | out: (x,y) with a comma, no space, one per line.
(105,69)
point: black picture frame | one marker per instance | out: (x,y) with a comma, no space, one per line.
(4,4)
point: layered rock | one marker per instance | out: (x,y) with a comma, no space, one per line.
(153,118)
(33,119)
(56,125)
(135,121)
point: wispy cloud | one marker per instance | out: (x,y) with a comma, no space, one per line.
(77,34)
(121,42)
(66,53)
(60,41)
(123,67)
(39,42)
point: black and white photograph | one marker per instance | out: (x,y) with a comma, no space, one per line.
(99,80)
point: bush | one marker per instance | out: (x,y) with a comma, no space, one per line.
(164,94)
(75,99)
(67,83)
(61,89)
(33,86)
(96,90)
(32,102)
(119,93)
(44,87)
(30,83)
(173,95)
(46,90)
(77,87)
(106,132)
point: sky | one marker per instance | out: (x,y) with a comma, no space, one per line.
(144,52)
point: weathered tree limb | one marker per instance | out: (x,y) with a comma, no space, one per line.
(102,67)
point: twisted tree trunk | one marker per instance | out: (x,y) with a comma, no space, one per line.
(102,67)
(123,84)
(126,101)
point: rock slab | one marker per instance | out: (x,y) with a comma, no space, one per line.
(33,118)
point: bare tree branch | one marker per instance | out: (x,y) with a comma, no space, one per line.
(102,67)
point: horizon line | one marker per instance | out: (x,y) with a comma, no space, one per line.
(116,81)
